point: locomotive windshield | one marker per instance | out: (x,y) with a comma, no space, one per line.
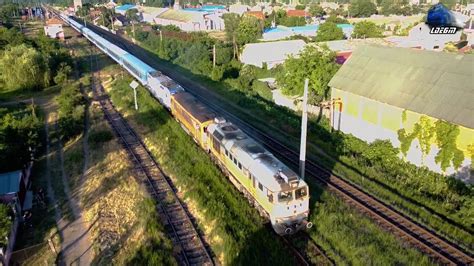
(301,192)
(285,196)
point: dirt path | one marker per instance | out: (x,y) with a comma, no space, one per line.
(76,244)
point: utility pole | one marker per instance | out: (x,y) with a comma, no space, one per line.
(161,36)
(214,55)
(304,122)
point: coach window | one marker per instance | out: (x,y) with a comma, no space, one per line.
(260,186)
(240,166)
(235,161)
(230,156)
(226,153)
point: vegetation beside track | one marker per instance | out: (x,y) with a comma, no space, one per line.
(233,228)
(442,203)
(216,200)
(127,228)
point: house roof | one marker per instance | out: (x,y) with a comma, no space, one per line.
(257,14)
(10,182)
(154,11)
(125,7)
(182,16)
(54,21)
(436,84)
(271,51)
(296,13)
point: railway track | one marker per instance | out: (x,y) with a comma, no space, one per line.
(405,228)
(190,246)
(305,249)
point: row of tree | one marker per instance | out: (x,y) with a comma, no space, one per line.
(26,64)
(29,63)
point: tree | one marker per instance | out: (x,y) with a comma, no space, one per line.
(249,30)
(292,21)
(316,10)
(63,73)
(329,31)
(362,8)
(448,3)
(19,131)
(197,58)
(300,7)
(232,21)
(448,154)
(317,64)
(366,29)
(132,15)
(22,67)
(337,20)
(84,10)
(11,37)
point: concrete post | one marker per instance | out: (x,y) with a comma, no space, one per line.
(304,123)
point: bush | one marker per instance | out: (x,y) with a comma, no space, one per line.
(71,111)
(100,136)
(262,89)
(5,223)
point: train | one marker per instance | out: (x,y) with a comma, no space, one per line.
(276,191)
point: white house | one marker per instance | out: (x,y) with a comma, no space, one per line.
(270,53)
(54,29)
(238,9)
(420,37)
(191,20)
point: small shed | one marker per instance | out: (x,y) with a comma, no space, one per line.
(54,29)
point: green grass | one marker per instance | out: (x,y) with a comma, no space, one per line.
(348,237)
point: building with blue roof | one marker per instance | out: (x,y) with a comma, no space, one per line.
(123,9)
(281,32)
(13,188)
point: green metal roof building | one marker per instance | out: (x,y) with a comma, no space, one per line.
(384,89)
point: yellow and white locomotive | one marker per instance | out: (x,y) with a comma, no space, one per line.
(275,190)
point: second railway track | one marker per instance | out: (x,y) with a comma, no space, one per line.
(191,248)
(401,225)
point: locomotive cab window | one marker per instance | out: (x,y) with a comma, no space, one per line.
(270,196)
(301,192)
(285,196)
